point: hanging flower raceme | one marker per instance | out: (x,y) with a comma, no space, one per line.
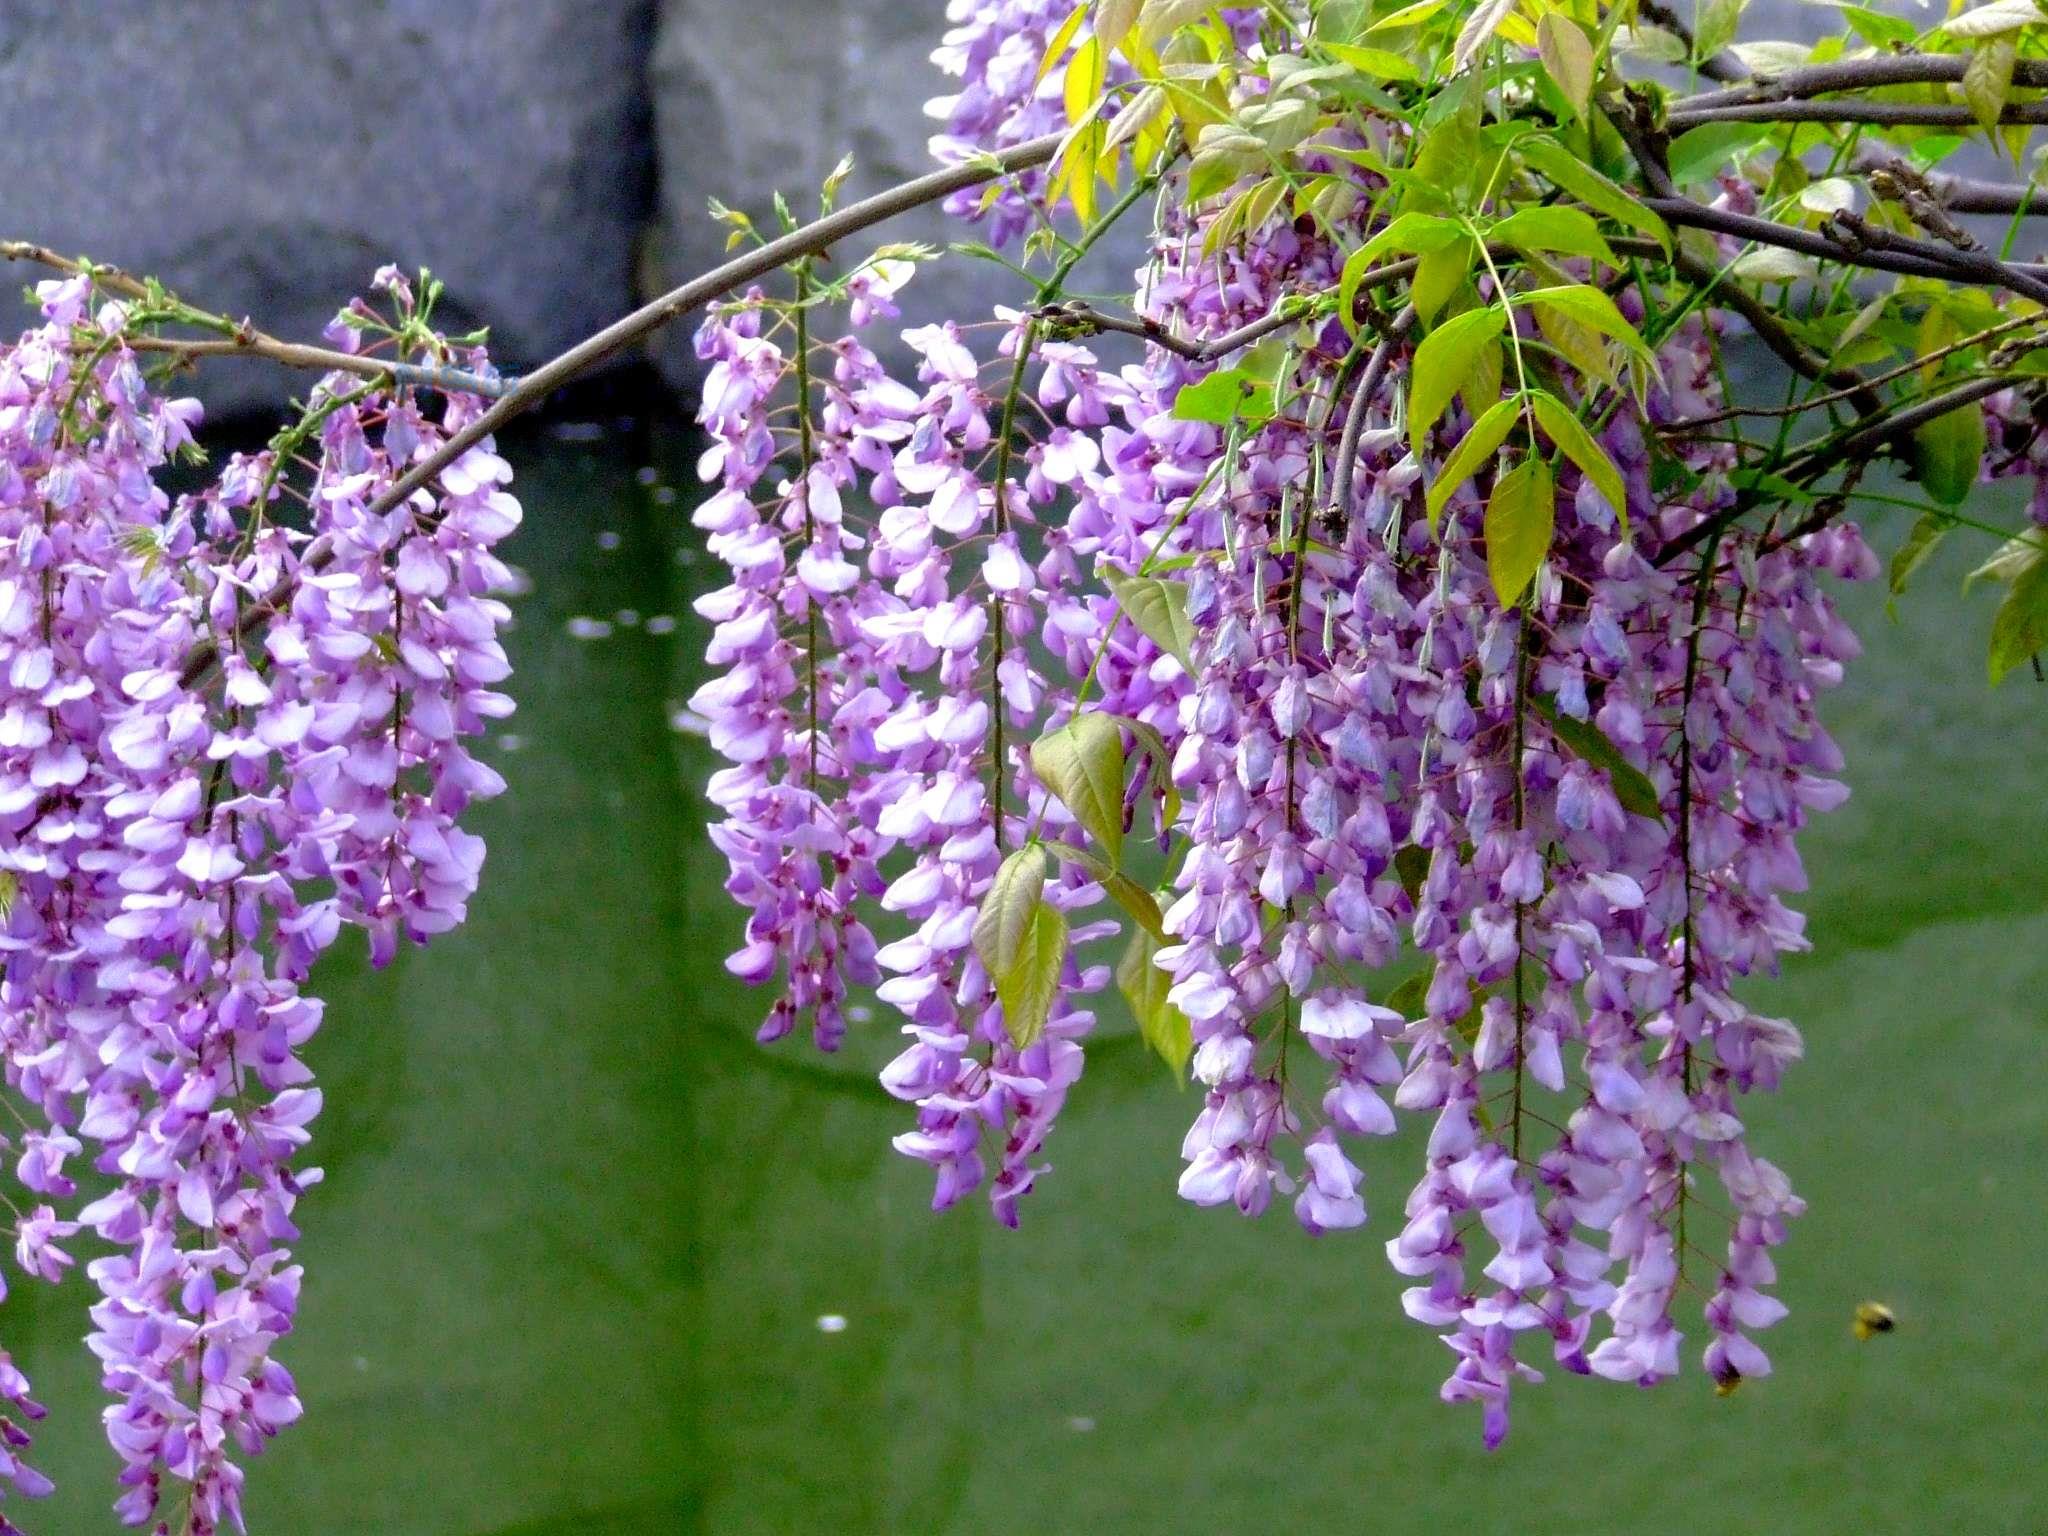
(1396,585)
(227,734)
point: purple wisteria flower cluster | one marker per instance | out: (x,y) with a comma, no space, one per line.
(1028,650)
(234,722)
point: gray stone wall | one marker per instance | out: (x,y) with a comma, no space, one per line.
(550,159)
(265,156)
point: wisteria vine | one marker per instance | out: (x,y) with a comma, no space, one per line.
(1408,606)
(234,723)
(1383,622)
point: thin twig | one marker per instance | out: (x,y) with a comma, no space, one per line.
(1895,253)
(1809,80)
(811,240)
(1891,375)
(241,339)
(1719,66)
(1361,402)
(1885,114)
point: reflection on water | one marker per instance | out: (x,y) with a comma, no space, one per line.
(588,1261)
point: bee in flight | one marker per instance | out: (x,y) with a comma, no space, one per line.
(1872,1318)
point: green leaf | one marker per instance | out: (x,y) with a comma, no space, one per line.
(1411,868)
(1376,63)
(1412,234)
(1160,1024)
(1478,31)
(2014,558)
(1702,152)
(2000,16)
(1410,999)
(1158,767)
(1227,394)
(1632,787)
(1567,172)
(1442,361)
(1142,905)
(1878,29)
(1006,908)
(1449,152)
(1113,19)
(1569,231)
(1027,990)
(1059,41)
(2020,627)
(1581,345)
(1920,544)
(1081,88)
(1438,275)
(1590,307)
(1160,610)
(1947,452)
(1083,763)
(1715,27)
(1482,384)
(1473,450)
(1987,79)
(1568,57)
(1578,445)
(1520,518)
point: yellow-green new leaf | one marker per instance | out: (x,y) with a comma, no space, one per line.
(1578,445)
(1082,88)
(1566,231)
(1160,19)
(1987,80)
(1060,40)
(1407,16)
(2000,16)
(1443,362)
(1590,307)
(1142,905)
(1565,171)
(1947,452)
(1413,233)
(1374,63)
(1583,347)
(1028,989)
(1160,610)
(1478,31)
(1438,275)
(1568,56)
(1160,1024)
(1114,19)
(1481,387)
(1006,908)
(1083,764)
(2019,630)
(1473,450)
(2015,557)
(1521,515)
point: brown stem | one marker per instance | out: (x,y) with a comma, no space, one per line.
(1809,80)
(1361,400)
(1885,114)
(245,340)
(533,388)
